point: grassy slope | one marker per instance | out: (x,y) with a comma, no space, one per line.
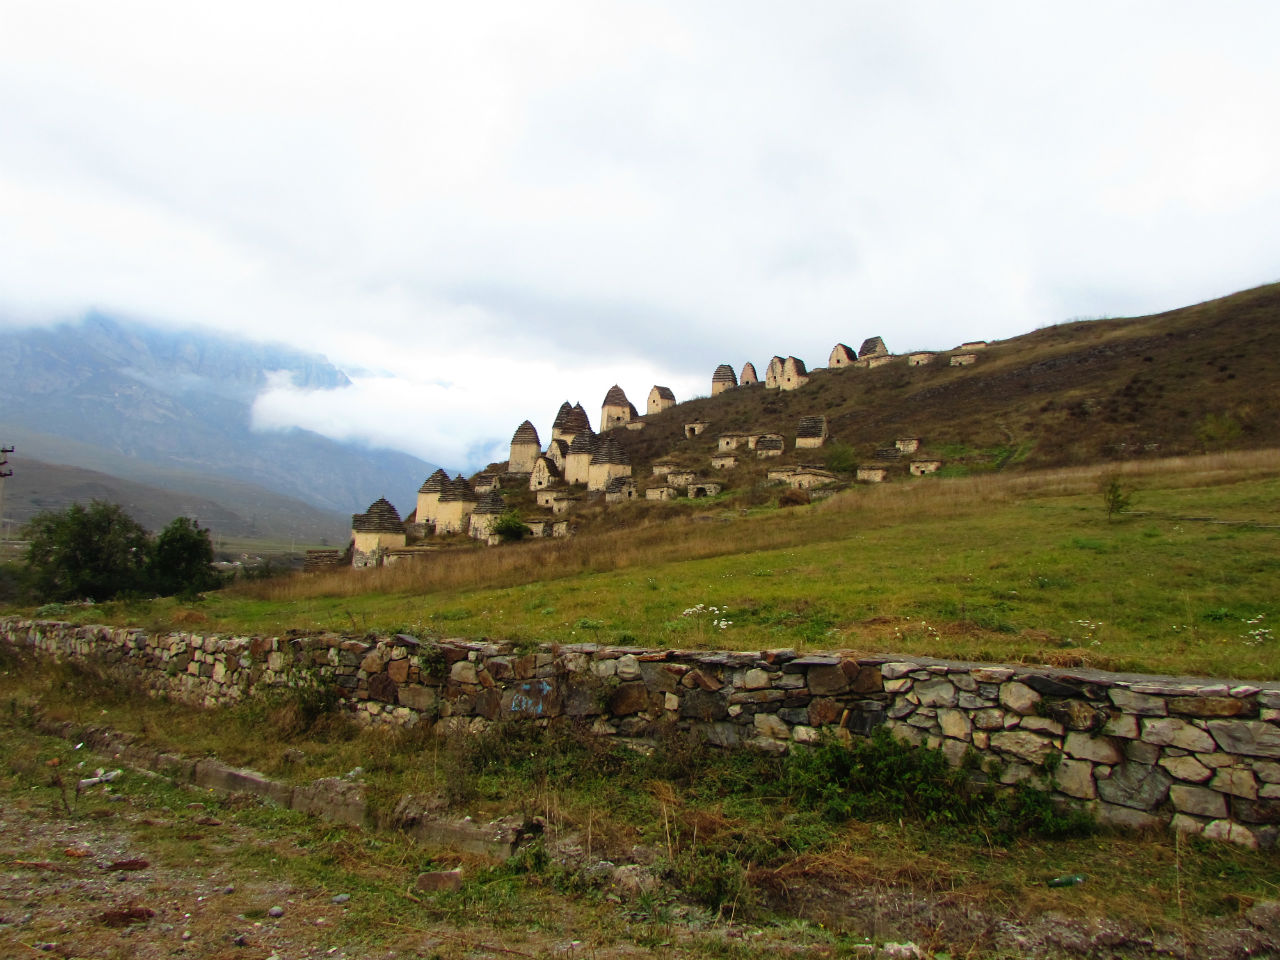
(1068,394)
(996,568)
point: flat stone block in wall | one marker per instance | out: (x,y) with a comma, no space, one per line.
(1232,833)
(1186,768)
(629,698)
(1019,698)
(417,697)
(1075,779)
(1097,749)
(1171,731)
(1253,738)
(1139,703)
(1200,801)
(954,723)
(936,693)
(1237,781)
(1125,818)
(896,670)
(1022,744)
(1135,785)
(1260,811)
(1212,707)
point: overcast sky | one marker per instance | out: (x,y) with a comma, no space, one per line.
(479,210)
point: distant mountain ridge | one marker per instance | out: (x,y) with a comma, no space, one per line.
(139,403)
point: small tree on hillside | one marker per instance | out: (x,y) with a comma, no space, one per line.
(510,527)
(840,457)
(181,560)
(93,552)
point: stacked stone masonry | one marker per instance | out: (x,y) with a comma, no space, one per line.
(1197,755)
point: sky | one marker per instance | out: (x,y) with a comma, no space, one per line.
(481,210)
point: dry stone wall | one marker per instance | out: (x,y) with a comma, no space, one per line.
(1140,751)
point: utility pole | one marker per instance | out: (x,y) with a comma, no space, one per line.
(4,472)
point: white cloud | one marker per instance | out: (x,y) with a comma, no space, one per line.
(461,194)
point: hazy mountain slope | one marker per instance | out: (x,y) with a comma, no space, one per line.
(128,396)
(1071,393)
(238,510)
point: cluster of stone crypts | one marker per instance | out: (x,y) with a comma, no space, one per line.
(576,456)
(1200,755)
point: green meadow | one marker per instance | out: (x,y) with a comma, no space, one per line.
(1018,568)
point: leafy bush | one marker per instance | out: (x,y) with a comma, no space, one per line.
(885,779)
(511,527)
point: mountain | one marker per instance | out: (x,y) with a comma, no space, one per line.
(1200,377)
(231,510)
(141,403)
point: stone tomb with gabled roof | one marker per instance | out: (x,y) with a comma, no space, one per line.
(812,432)
(770,445)
(557,452)
(525,449)
(374,532)
(842,355)
(544,474)
(484,517)
(660,398)
(872,347)
(620,490)
(748,376)
(794,374)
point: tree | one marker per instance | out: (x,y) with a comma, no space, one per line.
(93,552)
(181,560)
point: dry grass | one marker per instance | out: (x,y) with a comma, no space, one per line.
(643,540)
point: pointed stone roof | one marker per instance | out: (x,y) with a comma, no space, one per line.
(584,442)
(610,451)
(748,373)
(842,351)
(770,443)
(457,489)
(724,374)
(381,517)
(618,484)
(562,416)
(578,420)
(664,393)
(526,433)
(560,446)
(434,483)
(873,347)
(549,465)
(615,397)
(491,502)
(796,364)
